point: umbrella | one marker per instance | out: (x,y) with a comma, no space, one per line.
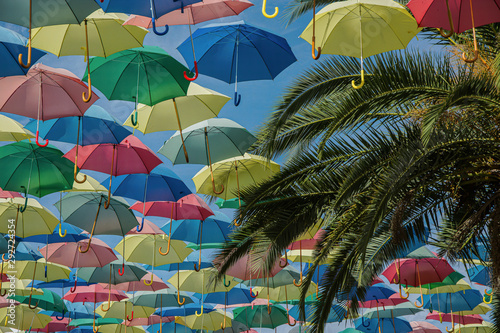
(234,172)
(161,184)
(227,139)
(211,321)
(337,313)
(384,324)
(151,72)
(185,310)
(260,316)
(11,130)
(462,16)
(480,274)
(9,194)
(57,90)
(120,328)
(23,318)
(128,271)
(423,327)
(34,220)
(94,293)
(47,301)
(55,325)
(126,310)
(73,233)
(132,156)
(149,228)
(103,32)
(484,327)
(340,28)
(283,277)
(11,45)
(42,14)
(458,318)
(231,203)
(145,8)
(96,126)
(154,284)
(238,52)
(403,309)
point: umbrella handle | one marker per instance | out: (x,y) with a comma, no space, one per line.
(22,209)
(473,59)
(150,282)
(93,228)
(153,21)
(401,291)
(84,98)
(62,317)
(195,71)
(60,231)
(201,312)
(213,187)
(134,121)
(139,228)
(313,49)
(488,294)
(73,289)
(197,267)
(32,307)
(269,309)
(450,19)
(363,322)
(130,319)
(168,247)
(346,314)
(226,285)
(38,142)
(362,83)
(20,58)
(179,299)
(121,271)
(294,321)
(237,98)
(276,10)
(300,281)
(286,261)
(476,51)
(251,293)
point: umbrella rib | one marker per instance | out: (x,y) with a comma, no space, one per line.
(127,64)
(100,38)
(388,25)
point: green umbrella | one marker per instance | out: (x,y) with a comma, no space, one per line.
(259,316)
(283,277)
(98,321)
(231,203)
(24,318)
(403,309)
(112,273)
(207,142)
(79,209)
(159,298)
(146,75)
(35,170)
(48,301)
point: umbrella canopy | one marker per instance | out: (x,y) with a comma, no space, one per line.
(199,104)
(199,282)
(386,324)
(35,220)
(337,313)
(484,327)
(403,309)
(94,293)
(258,316)
(465,300)
(480,274)
(160,298)
(142,285)
(96,322)
(106,35)
(233,173)
(142,7)
(126,309)
(405,271)
(35,270)
(24,318)
(67,254)
(185,310)
(210,321)
(11,45)
(233,296)
(281,278)
(11,130)
(115,272)
(189,207)
(36,170)
(423,327)
(47,301)
(283,293)
(456,318)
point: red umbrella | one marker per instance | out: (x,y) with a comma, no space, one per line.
(67,254)
(462,15)
(152,320)
(134,286)
(457,318)
(53,93)
(189,207)
(94,293)
(9,194)
(423,327)
(56,325)
(130,156)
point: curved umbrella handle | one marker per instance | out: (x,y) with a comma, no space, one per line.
(38,142)
(130,319)
(213,187)
(421,305)
(473,59)
(103,309)
(22,209)
(153,21)
(289,323)
(62,317)
(60,231)
(75,178)
(179,299)
(286,261)
(139,228)
(93,228)
(121,271)
(168,247)
(150,282)
(226,285)
(276,10)
(251,293)
(237,98)
(73,289)
(346,314)
(363,322)
(269,309)
(450,20)
(300,281)
(201,312)
(32,307)
(20,58)
(134,121)
(197,267)
(85,98)
(313,49)
(89,81)
(362,83)
(195,73)
(401,291)
(490,295)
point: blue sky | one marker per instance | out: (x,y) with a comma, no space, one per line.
(258,97)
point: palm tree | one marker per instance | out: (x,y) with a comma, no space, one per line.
(416,148)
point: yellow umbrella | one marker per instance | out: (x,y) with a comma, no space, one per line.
(20,288)
(120,328)
(284,293)
(101,34)
(361,28)
(89,185)
(210,321)
(11,130)
(35,220)
(35,270)
(23,318)
(126,310)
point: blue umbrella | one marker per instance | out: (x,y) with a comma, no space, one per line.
(185,310)
(145,8)
(480,274)
(237,52)
(162,184)
(233,296)
(386,324)
(74,234)
(187,264)
(374,292)
(337,313)
(11,45)
(465,300)
(168,327)
(27,251)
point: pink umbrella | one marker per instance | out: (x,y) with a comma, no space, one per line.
(44,93)
(134,286)
(423,327)
(152,320)
(391,301)
(457,318)
(196,13)
(462,15)
(149,229)
(94,293)
(67,254)
(189,207)
(9,194)
(6,302)
(130,156)
(56,325)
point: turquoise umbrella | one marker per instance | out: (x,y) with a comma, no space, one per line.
(209,141)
